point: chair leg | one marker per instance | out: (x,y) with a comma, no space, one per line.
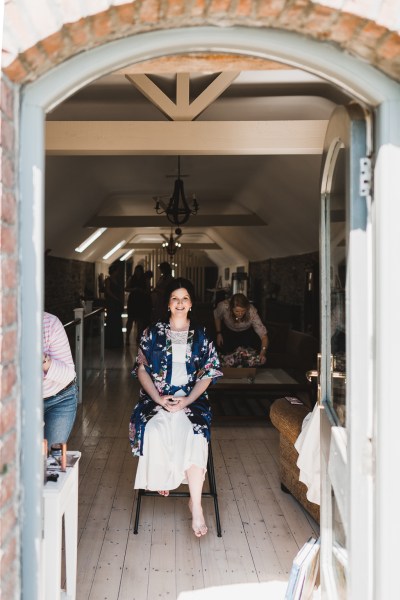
(213,488)
(212,493)
(137,516)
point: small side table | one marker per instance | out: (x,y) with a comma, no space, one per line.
(60,499)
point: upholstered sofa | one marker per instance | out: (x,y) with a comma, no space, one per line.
(288,419)
(290,349)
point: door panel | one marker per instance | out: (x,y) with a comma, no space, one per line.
(343,233)
(335,201)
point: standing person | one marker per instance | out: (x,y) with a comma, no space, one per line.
(145,317)
(170,426)
(137,300)
(60,392)
(159,290)
(241,335)
(114,296)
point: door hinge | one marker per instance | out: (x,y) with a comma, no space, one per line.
(365,176)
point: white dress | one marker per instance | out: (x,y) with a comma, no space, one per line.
(170,446)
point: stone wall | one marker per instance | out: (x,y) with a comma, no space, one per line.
(66,281)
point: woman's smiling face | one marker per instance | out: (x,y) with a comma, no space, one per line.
(180,302)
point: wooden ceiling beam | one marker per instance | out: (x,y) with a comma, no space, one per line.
(154,94)
(182,109)
(186,245)
(181,137)
(210,94)
(199,220)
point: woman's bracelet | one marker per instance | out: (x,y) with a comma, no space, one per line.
(218,332)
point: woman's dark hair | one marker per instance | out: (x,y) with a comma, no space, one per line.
(137,277)
(177,284)
(165,268)
(115,266)
(239,301)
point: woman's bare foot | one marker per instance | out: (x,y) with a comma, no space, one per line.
(163,493)
(198,523)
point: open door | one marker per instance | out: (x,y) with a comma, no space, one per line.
(345,386)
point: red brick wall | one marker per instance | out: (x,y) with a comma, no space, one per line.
(368,30)
(364,29)
(9,405)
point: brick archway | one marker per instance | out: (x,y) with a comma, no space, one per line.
(57,39)
(363,31)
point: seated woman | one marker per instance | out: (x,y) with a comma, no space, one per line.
(241,336)
(170,426)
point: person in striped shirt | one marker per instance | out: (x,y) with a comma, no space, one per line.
(60,392)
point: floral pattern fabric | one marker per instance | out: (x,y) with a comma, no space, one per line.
(241,357)
(155,354)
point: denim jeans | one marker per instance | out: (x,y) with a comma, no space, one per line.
(59,415)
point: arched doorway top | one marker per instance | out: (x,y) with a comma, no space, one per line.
(325,60)
(57,65)
(35,43)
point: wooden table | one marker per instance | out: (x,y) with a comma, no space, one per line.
(60,500)
(252,395)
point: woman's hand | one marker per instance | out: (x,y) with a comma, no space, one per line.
(220,339)
(177,403)
(262,357)
(263,352)
(46,363)
(173,403)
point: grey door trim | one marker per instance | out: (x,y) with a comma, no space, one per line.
(365,82)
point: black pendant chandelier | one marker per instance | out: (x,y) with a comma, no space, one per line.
(178,210)
(172,245)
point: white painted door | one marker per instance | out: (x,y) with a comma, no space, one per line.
(346,487)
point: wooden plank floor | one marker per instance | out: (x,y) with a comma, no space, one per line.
(262,527)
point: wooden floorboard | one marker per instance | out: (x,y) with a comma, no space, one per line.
(262,528)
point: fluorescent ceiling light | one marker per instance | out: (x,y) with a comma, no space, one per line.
(92,238)
(127,255)
(113,250)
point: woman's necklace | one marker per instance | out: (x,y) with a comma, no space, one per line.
(238,319)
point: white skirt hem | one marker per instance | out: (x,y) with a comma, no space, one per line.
(170,448)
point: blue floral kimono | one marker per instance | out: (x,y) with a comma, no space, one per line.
(155,353)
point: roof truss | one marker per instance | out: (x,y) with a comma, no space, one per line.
(182,109)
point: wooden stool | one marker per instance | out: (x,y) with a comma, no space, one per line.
(211,494)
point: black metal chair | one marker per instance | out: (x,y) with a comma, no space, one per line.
(211,494)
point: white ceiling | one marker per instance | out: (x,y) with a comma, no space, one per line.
(274,197)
